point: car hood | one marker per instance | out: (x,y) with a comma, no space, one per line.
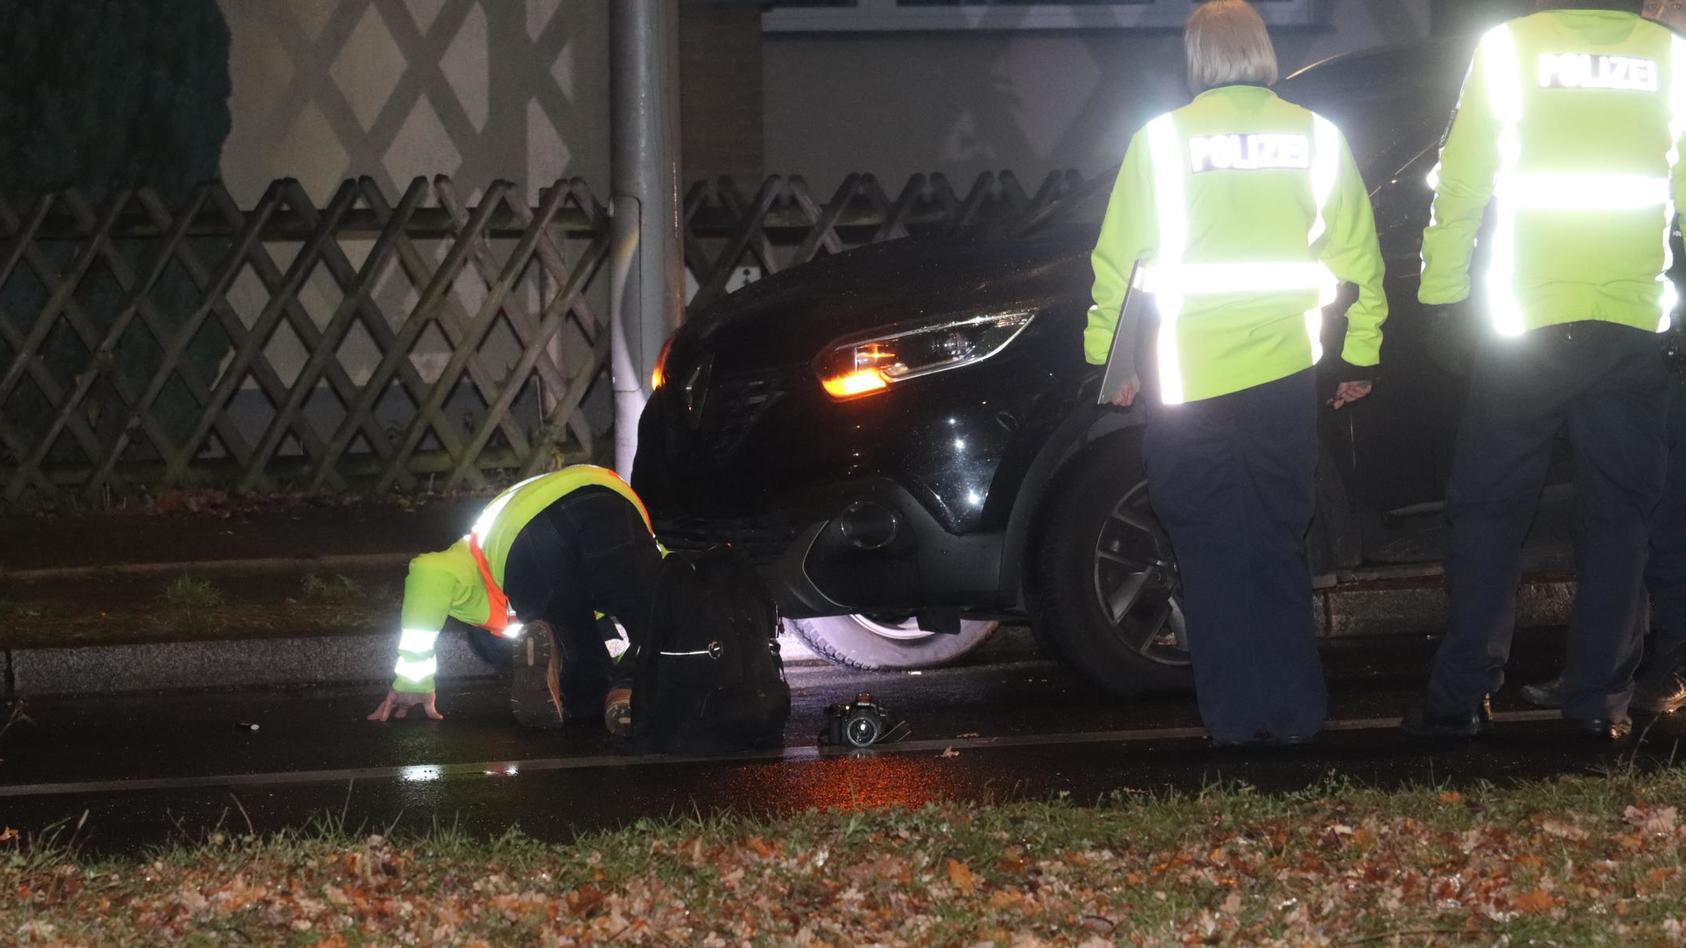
(1389,101)
(789,317)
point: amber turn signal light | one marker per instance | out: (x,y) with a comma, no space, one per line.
(856,383)
(658,375)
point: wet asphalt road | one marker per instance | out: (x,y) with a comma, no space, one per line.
(124,772)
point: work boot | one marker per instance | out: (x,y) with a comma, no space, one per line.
(1471,724)
(535,692)
(617,711)
(1602,730)
(1661,690)
(1545,694)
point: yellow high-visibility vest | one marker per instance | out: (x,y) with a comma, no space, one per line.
(1248,211)
(1570,126)
(465,581)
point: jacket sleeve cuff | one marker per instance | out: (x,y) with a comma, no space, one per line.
(1348,372)
(405,686)
(414,675)
(1438,296)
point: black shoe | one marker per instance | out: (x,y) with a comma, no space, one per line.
(1472,724)
(535,691)
(1545,694)
(1601,729)
(1660,693)
(1261,742)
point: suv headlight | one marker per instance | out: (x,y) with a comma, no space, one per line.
(856,367)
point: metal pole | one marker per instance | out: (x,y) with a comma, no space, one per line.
(647,279)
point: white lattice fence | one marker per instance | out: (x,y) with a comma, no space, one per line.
(363,344)
(436,341)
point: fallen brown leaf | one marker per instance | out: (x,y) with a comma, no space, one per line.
(1658,821)
(960,876)
(1537,902)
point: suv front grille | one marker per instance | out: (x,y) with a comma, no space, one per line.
(761,542)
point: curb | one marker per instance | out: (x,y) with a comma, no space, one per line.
(347,561)
(235,663)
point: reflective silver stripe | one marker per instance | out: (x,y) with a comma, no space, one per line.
(417,641)
(415,670)
(1677,129)
(1551,191)
(1325,171)
(1171,201)
(1504,94)
(1325,175)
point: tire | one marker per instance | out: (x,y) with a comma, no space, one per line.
(887,643)
(1107,600)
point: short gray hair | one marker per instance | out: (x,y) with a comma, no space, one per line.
(1227,43)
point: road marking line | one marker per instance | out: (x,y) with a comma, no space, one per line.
(421,773)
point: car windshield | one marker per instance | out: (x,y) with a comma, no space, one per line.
(1391,103)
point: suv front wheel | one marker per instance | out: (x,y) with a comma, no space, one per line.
(887,642)
(1107,600)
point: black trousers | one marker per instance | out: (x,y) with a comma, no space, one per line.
(1608,385)
(1665,574)
(1233,479)
(586,553)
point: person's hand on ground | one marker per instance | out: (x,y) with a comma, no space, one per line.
(1349,392)
(397,704)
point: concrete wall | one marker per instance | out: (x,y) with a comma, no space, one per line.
(478,89)
(518,89)
(967,102)
(720,93)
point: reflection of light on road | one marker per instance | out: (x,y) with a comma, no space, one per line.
(867,781)
(508,770)
(419,774)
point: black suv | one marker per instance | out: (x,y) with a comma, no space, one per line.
(905,436)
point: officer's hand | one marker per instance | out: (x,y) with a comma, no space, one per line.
(398,703)
(1348,392)
(1127,396)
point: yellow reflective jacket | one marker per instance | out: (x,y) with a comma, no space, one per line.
(1570,125)
(1247,211)
(449,583)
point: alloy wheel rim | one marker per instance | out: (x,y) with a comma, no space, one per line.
(1135,582)
(903,630)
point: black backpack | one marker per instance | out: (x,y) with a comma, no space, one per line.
(710,679)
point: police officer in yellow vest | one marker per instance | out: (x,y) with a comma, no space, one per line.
(542,558)
(1659,687)
(1569,130)
(1246,212)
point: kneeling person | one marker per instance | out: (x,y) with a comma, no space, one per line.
(542,559)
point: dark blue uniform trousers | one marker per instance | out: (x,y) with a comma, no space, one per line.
(1665,575)
(587,552)
(1608,385)
(1233,480)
